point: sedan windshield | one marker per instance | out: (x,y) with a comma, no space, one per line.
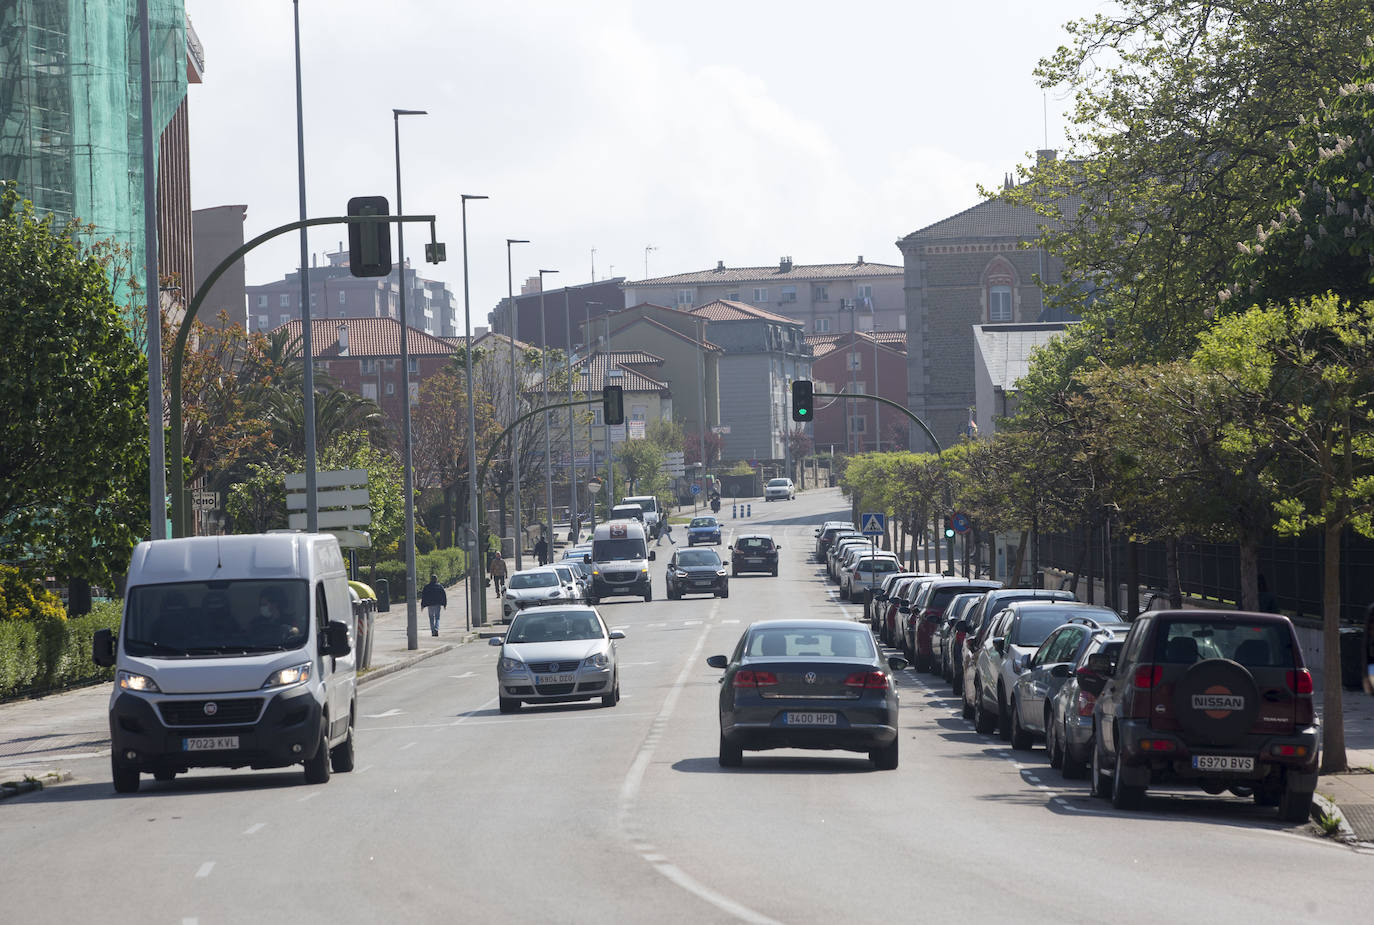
(532,580)
(698,557)
(702,522)
(545,625)
(777,483)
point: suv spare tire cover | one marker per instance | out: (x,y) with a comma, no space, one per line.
(1216,702)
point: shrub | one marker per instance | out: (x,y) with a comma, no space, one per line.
(448,564)
(22,599)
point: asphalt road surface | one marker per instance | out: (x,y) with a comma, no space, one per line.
(579,813)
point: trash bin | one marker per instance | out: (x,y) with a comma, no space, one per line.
(383,589)
(1352,658)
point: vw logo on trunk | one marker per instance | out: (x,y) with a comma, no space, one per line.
(809,677)
(211,708)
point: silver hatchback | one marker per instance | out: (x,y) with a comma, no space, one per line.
(557,655)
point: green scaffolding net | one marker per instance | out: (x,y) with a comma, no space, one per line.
(70,108)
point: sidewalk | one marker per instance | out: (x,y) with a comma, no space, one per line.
(38,736)
(1353,792)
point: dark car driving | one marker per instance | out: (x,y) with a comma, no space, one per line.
(808,684)
(754,552)
(696,571)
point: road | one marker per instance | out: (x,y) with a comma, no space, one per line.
(586,814)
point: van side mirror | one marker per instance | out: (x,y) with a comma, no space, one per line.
(102,648)
(651,555)
(336,639)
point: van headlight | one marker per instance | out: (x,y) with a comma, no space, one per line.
(282,677)
(129,681)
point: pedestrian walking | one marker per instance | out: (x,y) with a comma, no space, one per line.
(667,531)
(497,569)
(575,533)
(541,550)
(434,599)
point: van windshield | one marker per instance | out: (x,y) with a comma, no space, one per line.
(617,550)
(198,618)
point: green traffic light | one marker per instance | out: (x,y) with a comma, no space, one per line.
(801,411)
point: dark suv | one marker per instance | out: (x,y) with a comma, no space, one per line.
(754,552)
(1218,699)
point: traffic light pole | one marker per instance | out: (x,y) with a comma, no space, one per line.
(178,473)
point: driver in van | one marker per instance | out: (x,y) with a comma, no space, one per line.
(270,626)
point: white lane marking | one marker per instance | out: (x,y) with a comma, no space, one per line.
(190,921)
(204,870)
(409,745)
(729,621)
(392,712)
(309,796)
(364,769)
(255,828)
(691,623)
(466,674)
(629,792)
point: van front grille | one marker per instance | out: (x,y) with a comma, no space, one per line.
(227,712)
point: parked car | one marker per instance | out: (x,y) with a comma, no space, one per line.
(825,534)
(703,530)
(779,490)
(754,552)
(1069,736)
(557,655)
(852,556)
(1040,675)
(876,606)
(900,614)
(949,635)
(696,571)
(865,573)
(927,609)
(572,580)
(978,623)
(840,548)
(1217,699)
(807,684)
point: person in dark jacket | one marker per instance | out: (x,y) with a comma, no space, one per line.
(434,599)
(541,551)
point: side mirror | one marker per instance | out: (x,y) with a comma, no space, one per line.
(903,607)
(933,618)
(897,663)
(1099,663)
(1090,680)
(1060,671)
(102,648)
(617,634)
(777,547)
(586,557)
(718,661)
(1000,644)
(651,555)
(961,626)
(496,641)
(336,639)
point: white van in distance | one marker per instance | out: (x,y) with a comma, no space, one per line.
(620,560)
(234,651)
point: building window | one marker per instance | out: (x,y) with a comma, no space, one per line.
(413,364)
(391,388)
(859,389)
(820,294)
(789,293)
(732,296)
(415,393)
(313,300)
(342,297)
(999,303)
(262,301)
(857,424)
(822,325)
(901,322)
(684,298)
(262,322)
(370,391)
(391,366)
(285,317)
(760,295)
(284,301)
(367,366)
(863,292)
(597,420)
(856,360)
(639,412)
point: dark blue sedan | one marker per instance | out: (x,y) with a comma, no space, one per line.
(703,530)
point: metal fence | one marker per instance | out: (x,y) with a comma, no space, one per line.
(1292,568)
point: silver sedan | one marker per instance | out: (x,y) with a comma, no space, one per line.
(557,655)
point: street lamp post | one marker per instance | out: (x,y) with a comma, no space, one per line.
(544,385)
(312,509)
(408,481)
(478,600)
(572,439)
(591,418)
(847,305)
(514,399)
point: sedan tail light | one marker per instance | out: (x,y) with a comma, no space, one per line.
(869,680)
(1147,676)
(1300,681)
(747,677)
(1085,703)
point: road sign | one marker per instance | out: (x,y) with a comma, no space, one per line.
(594,486)
(721,429)
(961,522)
(873,524)
(696,490)
(204,500)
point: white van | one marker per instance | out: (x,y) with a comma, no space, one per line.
(234,651)
(652,513)
(620,560)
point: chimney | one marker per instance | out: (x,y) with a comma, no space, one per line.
(861,260)
(785,265)
(720,265)
(343,338)
(1045,156)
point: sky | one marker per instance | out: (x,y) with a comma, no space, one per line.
(740,131)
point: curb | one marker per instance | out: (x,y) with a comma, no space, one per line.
(1322,804)
(14,788)
(402,664)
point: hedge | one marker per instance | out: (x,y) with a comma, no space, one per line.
(49,653)
(448,564)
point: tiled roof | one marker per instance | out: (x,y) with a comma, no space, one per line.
(1006,348)
(823,343)
(631,322)
(991,218)
(798,272)
(725,310)
(634,357)
(590,375)
(821,348)
(368,337)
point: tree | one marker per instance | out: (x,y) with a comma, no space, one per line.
(1177,137)
(691,447)
(73,406)
(1310,366)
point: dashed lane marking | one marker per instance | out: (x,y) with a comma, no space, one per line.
(255,828)
(204,870)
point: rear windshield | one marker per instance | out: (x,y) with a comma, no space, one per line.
(532,580)
(1254,645)
(823,643)
(648,504)
(617,550)
(940,597)
(878,566)
(198,618)
(754,544)
(1032,628)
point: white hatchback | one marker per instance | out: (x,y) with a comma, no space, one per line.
(779,490)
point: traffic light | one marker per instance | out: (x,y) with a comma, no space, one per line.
(802,400)
(949,528)
(369,243)
(613,404)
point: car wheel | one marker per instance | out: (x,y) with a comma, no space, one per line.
(613,697)
(1052,749)
(1020,738)
(775,571)
(317,768)
(1125,796)
(983,721)
(341,757)
(1003,716)
(885,758)
(593,600)
(125,779)
(731,756)
(724,592)
(1101,783)
(648,595)
(509,706)
(1295,805)
(968,707)
(734,572)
